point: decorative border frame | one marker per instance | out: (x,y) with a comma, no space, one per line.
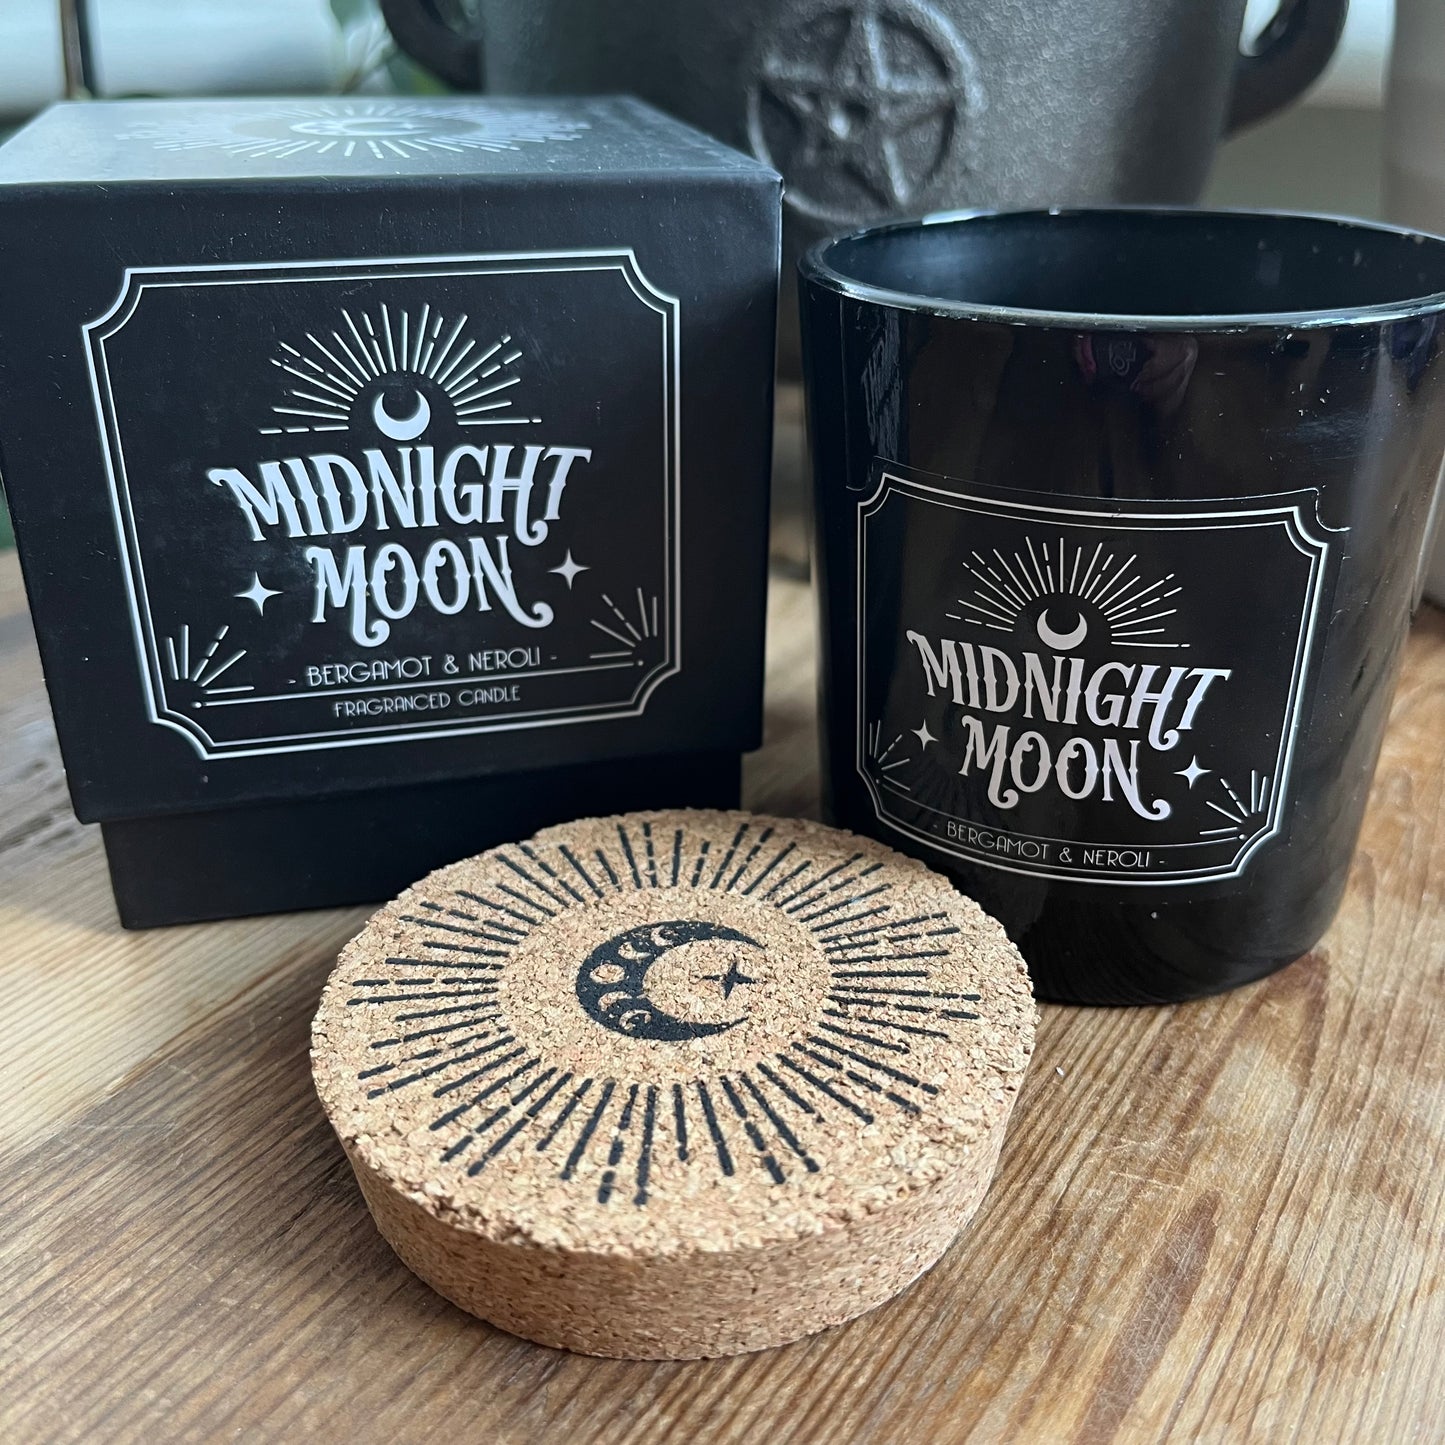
(1303,531)
(138,279)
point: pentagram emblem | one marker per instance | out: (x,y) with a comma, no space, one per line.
(860,105)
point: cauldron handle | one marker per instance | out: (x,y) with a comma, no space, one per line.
(1292,51)
(444,36)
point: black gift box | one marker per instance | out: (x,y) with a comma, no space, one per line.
(389,476)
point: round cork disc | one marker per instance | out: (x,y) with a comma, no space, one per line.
(674,1084)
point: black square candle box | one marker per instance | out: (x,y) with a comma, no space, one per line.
(389,477)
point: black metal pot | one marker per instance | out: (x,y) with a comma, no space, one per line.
(879,108)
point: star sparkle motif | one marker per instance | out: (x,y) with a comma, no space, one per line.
(854,110)
(258,592)
(729,980)
(1192,773)
(923,735)
(569,569)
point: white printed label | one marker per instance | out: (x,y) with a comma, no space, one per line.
(1088,690)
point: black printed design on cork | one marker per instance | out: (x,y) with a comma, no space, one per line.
(671,982)
(612,983)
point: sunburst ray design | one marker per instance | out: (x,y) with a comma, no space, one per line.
(209,665)
(1242,818)
(880,755)
(363,130)
(629,632)
(365,349)
(447,1032)
(1005,585)
(933,781)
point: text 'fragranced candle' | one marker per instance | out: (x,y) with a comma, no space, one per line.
(389,476)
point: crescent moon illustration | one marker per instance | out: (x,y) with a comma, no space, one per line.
(401,429)
(612,982)
(1062,641)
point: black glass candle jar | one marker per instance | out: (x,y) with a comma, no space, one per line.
(390,476)
(1119,525)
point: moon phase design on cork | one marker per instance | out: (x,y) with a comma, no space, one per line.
(677,1084)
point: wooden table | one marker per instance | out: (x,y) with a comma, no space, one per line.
(1223,1221)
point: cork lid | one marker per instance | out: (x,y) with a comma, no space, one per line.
(599,1086)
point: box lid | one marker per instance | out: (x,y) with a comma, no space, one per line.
(357,138)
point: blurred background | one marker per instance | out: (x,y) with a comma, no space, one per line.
(1322,154)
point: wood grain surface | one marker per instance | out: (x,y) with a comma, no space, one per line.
(1222,1221)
